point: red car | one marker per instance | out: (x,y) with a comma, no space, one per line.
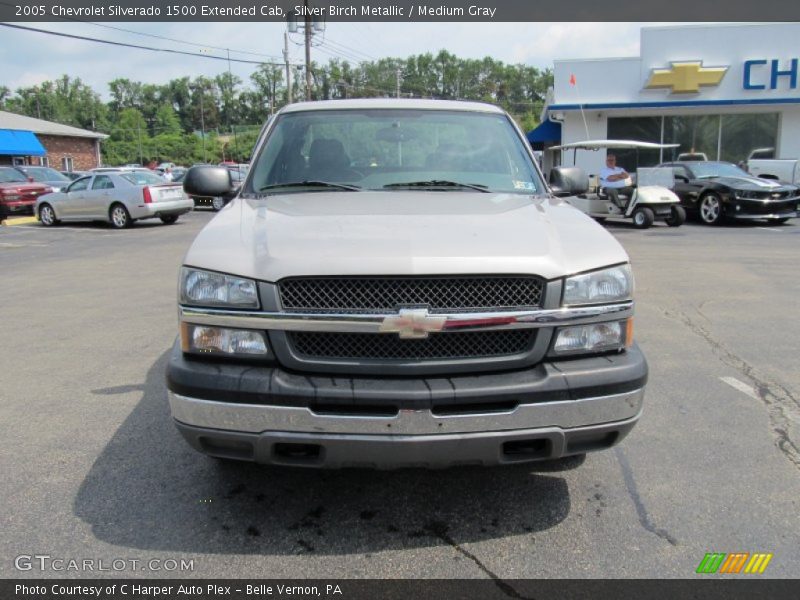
(17,193)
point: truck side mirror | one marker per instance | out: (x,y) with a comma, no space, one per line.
(568,181)
(207,180)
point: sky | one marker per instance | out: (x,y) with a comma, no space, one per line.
(29,58)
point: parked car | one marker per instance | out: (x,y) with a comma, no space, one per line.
(178,173)
(117,197)
(439,308)
(691,156)
(715,191)
(73,175)
(115,169)
(762,163)
(17,194)
(45,175)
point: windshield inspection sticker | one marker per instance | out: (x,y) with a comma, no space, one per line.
(524,185)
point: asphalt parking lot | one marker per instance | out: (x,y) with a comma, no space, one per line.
(93,468)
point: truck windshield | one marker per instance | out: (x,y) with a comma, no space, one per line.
(394,151)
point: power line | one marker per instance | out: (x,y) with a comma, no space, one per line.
(169,39)
(138,47)
(323,47)
(348,48)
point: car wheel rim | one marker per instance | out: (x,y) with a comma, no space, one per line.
(47,217)
(709,209)
(638,219)
(217,203)
(118,217)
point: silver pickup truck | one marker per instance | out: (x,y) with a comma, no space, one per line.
(396,285)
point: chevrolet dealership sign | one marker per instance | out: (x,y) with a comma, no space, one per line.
(757,74)
(686,77)
(762,74)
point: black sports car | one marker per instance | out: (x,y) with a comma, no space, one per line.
(718,190)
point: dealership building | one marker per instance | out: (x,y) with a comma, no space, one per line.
(721,90)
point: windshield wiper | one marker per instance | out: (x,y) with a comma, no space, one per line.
(439,183)
(325,184)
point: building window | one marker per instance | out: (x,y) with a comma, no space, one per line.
(741,134)
(18,161)
(720,137)
(697,134)
(44,161)
(641,129)
(66,164)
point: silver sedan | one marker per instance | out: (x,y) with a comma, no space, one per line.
(117,197)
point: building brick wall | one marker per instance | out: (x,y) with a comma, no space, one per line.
(83,151)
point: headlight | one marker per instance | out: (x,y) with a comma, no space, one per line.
(205,288)
(608,285)
(209,340)
(597,337)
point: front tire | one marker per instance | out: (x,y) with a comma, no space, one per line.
(217,203)
(169,219)
(47,215)
(643,217)
(120,217)
(711,209)
(677,216)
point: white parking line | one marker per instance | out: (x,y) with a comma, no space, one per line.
(12,245)
(770,229)
(741,386)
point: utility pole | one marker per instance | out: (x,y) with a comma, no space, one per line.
(288,68)
(139,135)
(397,74)
(203,125)
(308,34)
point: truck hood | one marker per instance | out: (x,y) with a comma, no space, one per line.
(402,233)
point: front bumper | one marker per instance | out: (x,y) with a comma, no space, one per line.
(746,209)
(269,415)
(17,207)
(745,216)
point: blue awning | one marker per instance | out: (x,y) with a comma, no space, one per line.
(546,131)
(15,142)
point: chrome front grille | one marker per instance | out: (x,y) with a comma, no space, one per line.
(439,346)
(388,294)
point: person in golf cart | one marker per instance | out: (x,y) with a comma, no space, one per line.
(615,182)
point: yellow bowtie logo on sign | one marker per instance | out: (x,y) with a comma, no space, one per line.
(685,77)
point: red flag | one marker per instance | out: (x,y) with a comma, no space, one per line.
(572,80)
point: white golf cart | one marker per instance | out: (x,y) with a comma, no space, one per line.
(652,197)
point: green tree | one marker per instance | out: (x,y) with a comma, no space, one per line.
(166,121)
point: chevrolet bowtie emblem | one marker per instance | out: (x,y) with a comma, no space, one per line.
(685,77)
(413,323)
